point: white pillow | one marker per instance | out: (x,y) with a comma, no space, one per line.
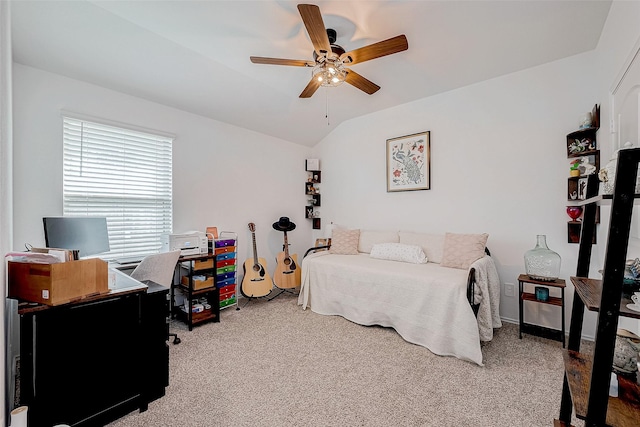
(432,244)
(398,252)
(369,238)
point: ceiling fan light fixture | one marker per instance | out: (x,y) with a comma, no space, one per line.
(330,73)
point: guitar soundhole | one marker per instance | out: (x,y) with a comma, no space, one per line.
(256,267)
(287,261)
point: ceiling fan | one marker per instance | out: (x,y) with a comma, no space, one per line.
(330,60)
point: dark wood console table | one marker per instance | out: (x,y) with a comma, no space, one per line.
(91,362)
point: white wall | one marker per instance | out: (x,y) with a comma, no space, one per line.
(498,161)
(6,219)
(224,176)
(498,165)
(619,37)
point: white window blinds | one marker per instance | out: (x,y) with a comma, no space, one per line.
(123,175)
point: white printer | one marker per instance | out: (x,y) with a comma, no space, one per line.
(190,243)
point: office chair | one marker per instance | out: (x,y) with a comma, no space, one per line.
(158,268)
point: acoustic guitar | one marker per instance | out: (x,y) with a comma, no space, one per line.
(287,274)
(256,281)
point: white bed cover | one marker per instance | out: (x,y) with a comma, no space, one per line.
(425,303)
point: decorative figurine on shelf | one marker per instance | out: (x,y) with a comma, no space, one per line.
(625,358)
(574,212)
(579,146)
(574,167)
(585,120)
(586,166)
(608,173)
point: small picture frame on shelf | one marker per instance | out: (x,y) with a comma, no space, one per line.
(323,242)
(312,164)
(582,188)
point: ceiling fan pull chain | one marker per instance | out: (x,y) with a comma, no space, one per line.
(326,97)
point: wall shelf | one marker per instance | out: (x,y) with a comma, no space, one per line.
(313,196)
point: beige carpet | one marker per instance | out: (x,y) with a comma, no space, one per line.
(273,364)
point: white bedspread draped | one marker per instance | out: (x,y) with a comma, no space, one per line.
(425,303)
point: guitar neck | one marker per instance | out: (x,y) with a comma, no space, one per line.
(286,246)
(255,250)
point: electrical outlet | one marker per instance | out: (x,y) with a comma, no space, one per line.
(510,289)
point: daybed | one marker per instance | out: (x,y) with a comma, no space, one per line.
(377,280)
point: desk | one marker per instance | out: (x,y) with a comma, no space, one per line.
(558,335)
(90,362)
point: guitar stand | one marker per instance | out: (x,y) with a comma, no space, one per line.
(249,300)
(280,293)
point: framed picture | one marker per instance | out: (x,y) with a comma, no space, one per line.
(582,188)
(323,242)
(408,163)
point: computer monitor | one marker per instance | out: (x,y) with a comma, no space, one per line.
(88,235)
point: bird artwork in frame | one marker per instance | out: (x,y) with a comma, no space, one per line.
(408,163)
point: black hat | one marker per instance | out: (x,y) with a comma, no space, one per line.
(284,224)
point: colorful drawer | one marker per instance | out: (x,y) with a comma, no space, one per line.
(225,263)
(226,251)
(225,269)
(226,282)
(225,242)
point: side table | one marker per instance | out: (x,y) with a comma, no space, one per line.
(541,331)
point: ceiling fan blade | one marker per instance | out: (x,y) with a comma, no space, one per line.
(279,61)
(311,88)
(376,50)
(360,82)
(314,24)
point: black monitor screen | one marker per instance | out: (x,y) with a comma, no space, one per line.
(86,234)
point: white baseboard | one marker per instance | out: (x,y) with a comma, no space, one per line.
(517,322)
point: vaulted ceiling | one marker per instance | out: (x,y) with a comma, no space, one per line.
(194,55)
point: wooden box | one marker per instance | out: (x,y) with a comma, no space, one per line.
(61,283)
(198,284)
(203,264)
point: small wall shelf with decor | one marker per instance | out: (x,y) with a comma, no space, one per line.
(311,189)
(584,156)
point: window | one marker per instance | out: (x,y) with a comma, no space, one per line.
(124,175)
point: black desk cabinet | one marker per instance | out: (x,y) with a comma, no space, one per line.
(89,363)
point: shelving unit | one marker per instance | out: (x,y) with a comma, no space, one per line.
(582,143)
(194,290)
(312,192)
(587,376)
(532,329)
(226,254)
